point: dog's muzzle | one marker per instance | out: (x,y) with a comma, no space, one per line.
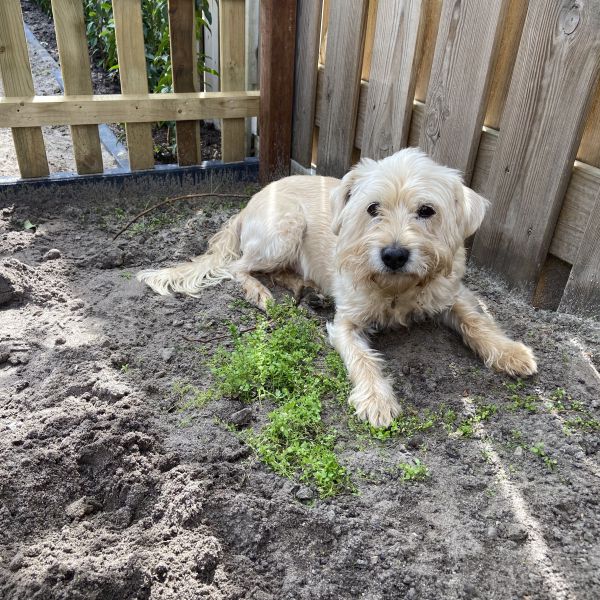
(394,257)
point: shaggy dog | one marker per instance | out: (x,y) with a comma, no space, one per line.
(387,242)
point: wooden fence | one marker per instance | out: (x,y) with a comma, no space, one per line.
(25,113)
(504,90)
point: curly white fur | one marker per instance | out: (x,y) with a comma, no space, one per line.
(320,230)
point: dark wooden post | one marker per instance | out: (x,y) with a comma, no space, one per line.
(277,51)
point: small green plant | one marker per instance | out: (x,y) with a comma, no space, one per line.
(405,425)
(283,360)
(586,424)
(189,396)
(483,412)
(126,275)
(540,452)
(415,471)
(125,368)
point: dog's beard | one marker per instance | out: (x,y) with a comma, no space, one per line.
(363,260)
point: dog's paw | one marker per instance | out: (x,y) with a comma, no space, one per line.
(379,407)
(517,360)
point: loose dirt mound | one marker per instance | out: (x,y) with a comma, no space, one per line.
(109,490)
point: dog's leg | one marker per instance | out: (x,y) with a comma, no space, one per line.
(291,281)
(481,333)
(256,293)
(372,393)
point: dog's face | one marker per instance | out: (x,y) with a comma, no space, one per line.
(404,215)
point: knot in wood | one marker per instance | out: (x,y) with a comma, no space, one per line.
(569,20)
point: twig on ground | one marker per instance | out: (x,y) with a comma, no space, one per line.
(175,199)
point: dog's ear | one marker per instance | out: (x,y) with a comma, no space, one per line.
(338,199)
(474,207)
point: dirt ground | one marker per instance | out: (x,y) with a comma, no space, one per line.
(108,490)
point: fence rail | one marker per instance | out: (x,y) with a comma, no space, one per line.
(506,91)
(25,113)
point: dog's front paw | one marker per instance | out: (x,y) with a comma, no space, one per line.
(517,360)
(378,406)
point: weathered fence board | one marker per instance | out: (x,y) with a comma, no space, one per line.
(589,149)
(139,108)
(433,10)
(134,78)
(71,39)
(392,77)
(182,26)
(277,44)
(582,293)
(512,27)
(555,75)
(458,87)
(17,80)
(308,28)
(341,87)
(232,45)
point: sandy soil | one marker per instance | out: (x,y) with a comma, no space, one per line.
(109,490)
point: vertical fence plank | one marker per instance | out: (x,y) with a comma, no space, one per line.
(589,149)
(75,66)
(433,10)
(16,77)
(393,77)
(555,75)
(134,77)
(512,28)
(365,69)
(308,27)
(456,98)
(582,292)
(345,39)
(232,42)
(277,47)
(182,31)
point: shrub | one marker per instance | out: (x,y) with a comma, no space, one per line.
(100,30)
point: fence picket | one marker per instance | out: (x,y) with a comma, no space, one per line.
(393,76)
(182,29)
(308,27)
(17,80)
(75,66)
(456,98)
(134,78)
(555,75)
(589,149)
(582,292)
(232,43)
(341,87)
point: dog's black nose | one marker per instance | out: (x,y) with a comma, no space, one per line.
(394,257)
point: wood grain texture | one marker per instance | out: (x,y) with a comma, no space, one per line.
(341,86)
(17,80)
(232,43)
(369,40)
(184,65)
(308,28)
(277,49)
(555,75)
(458,87)
(139,108)
(433,10)
(512,27)
(75,66)
(589,149)
(134,78)
(582,292)
(393,74)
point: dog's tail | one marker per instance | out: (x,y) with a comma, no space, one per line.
(203,271)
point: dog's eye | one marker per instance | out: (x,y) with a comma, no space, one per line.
(373,209)
(425,212)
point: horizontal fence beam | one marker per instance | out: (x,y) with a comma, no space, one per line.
(117,108)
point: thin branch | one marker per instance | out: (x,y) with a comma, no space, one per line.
(206,339)
(175,199)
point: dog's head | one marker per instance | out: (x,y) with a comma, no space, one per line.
(403,215)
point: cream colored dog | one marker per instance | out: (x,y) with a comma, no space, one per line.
(387,242)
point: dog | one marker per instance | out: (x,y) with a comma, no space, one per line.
(386,242)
